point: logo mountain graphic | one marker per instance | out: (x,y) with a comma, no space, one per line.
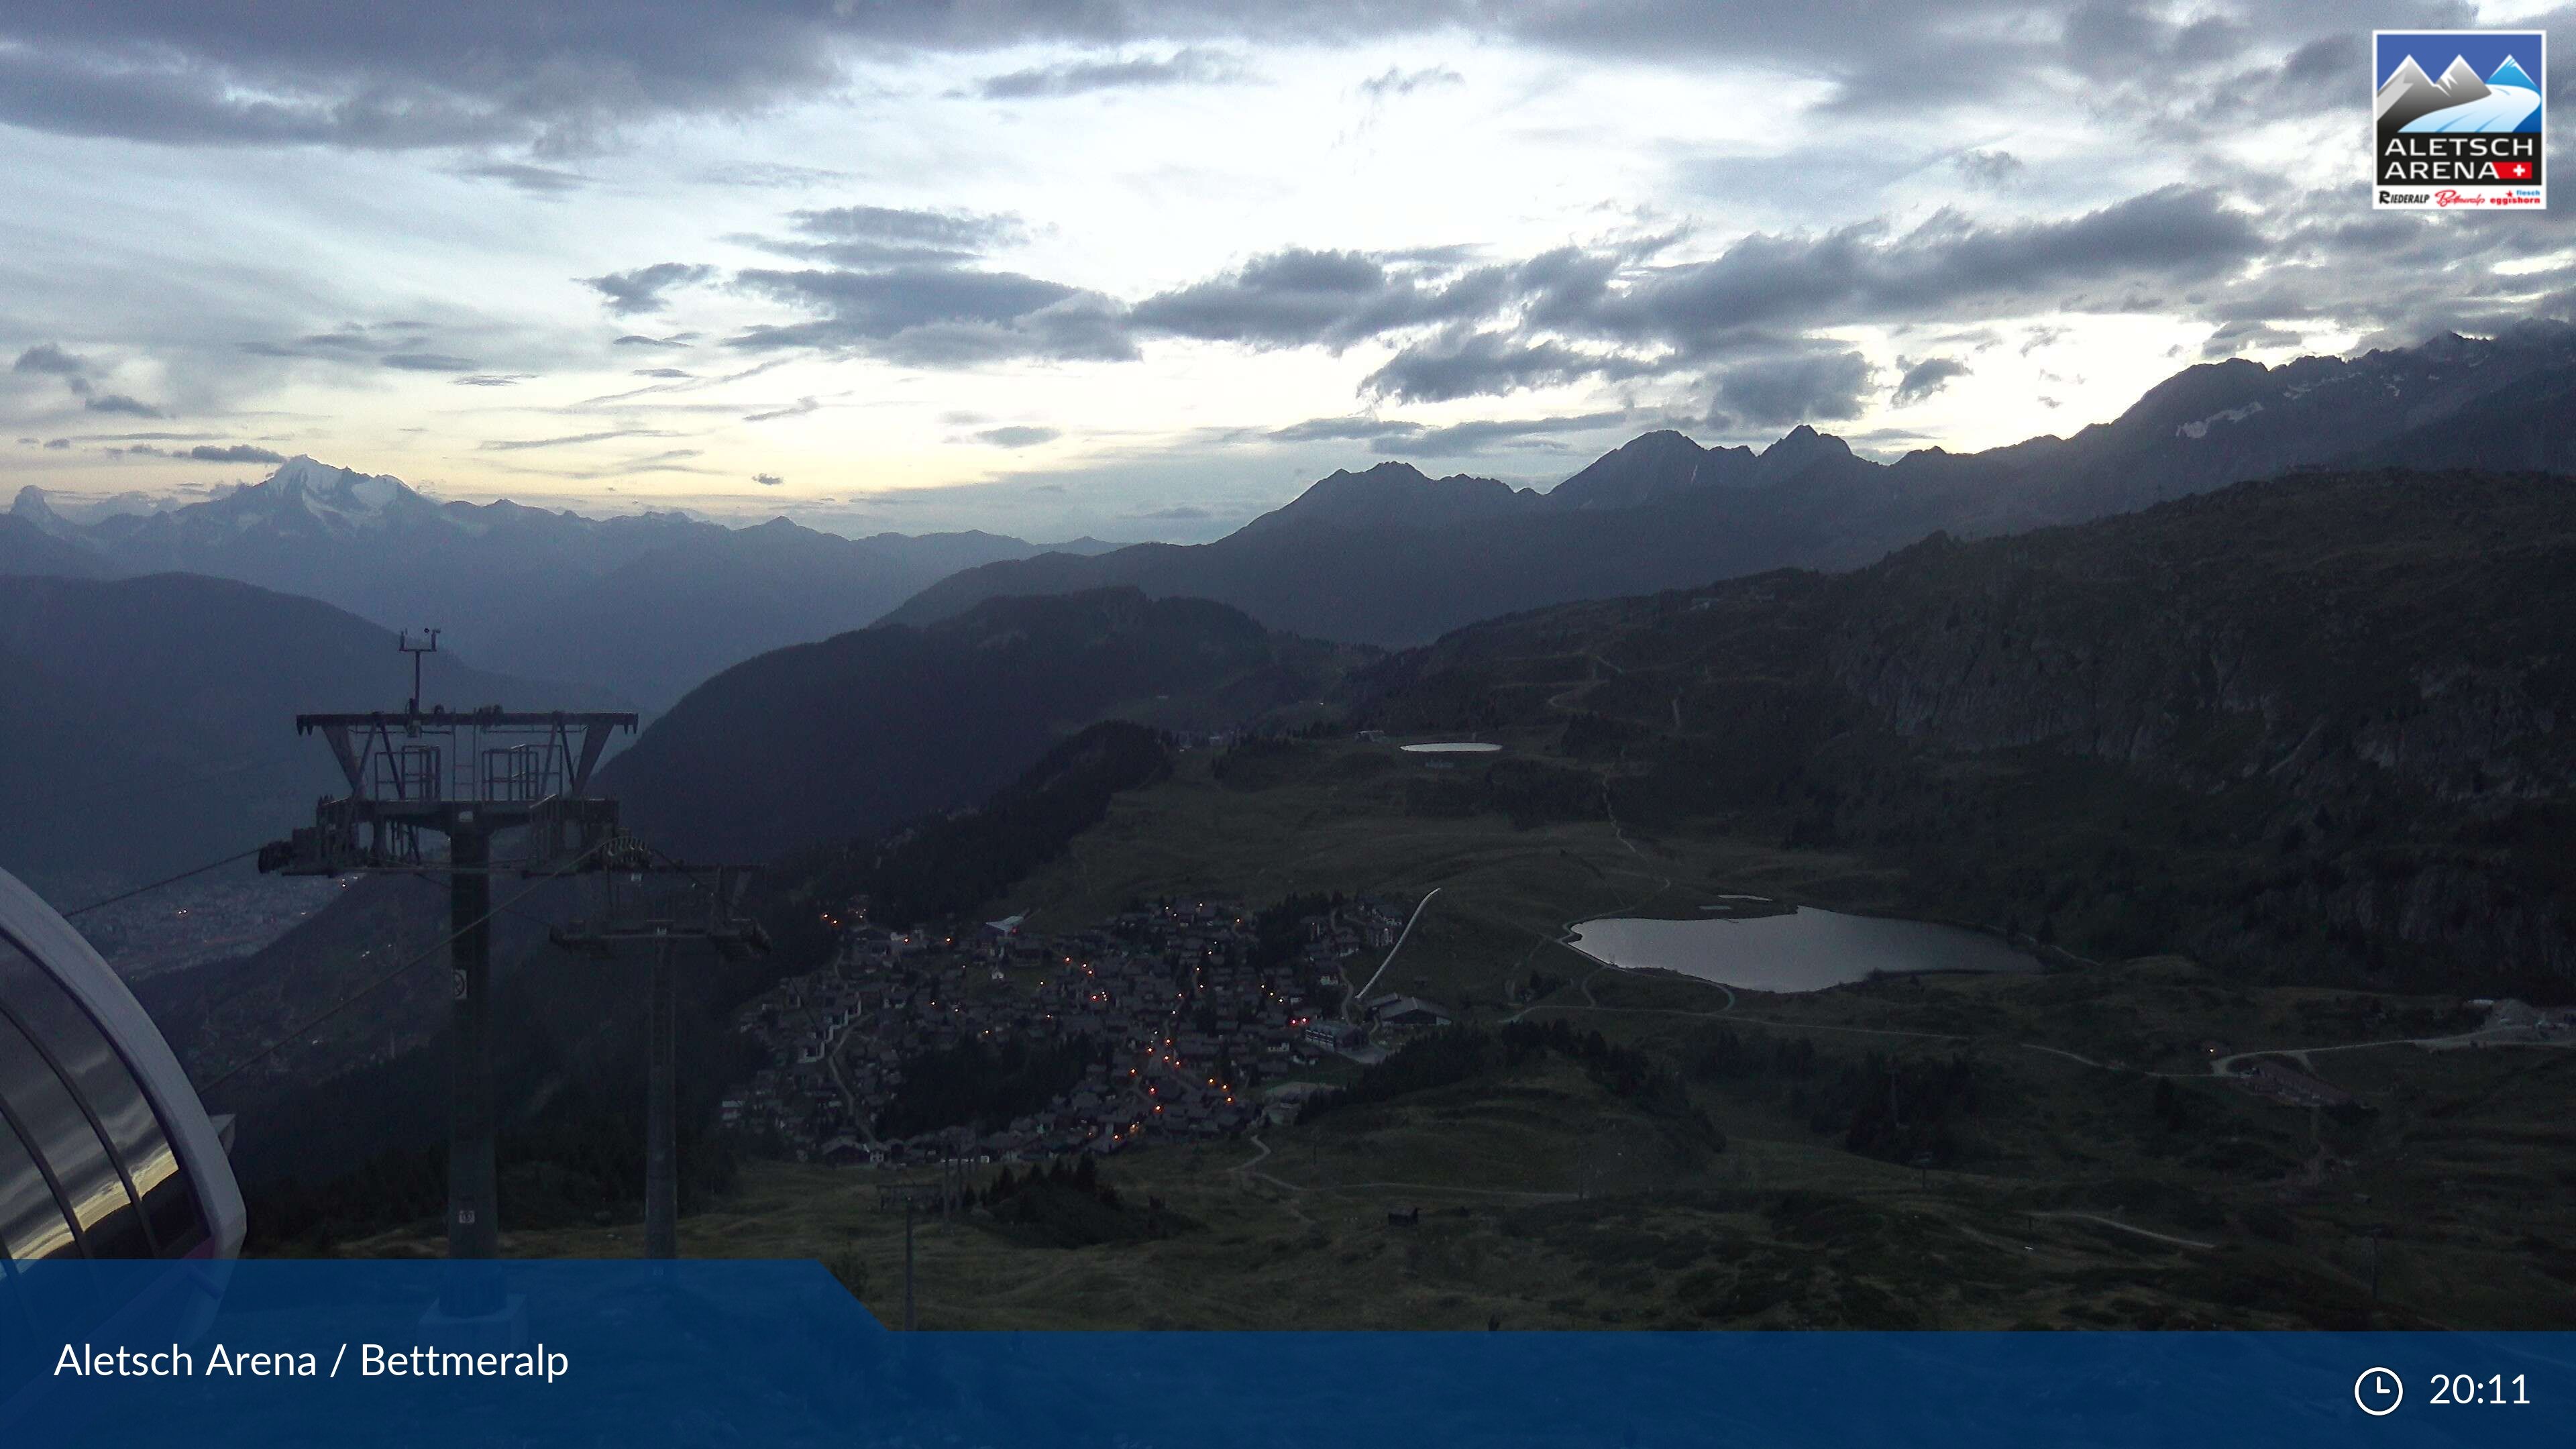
(2410,95)
(2459,101)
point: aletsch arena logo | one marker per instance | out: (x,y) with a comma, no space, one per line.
(2459,119)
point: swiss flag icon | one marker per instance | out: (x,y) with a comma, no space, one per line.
(2514,170)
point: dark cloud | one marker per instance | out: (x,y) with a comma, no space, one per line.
(938,316)
(1018,436)
(1177,513)
(638,339)
(1576,314)
(345,343)
(49,359)
(1073,78)
(2232,338)
(2325,67)
(556,79)
(1299,297)
(1995,169)
(1949,267)
(46,359)
(535,180)
(767,480)
(2127,40)
(641,290)
(1795,387)
(674,372)
(876,237)
(492,379)
(1919,380)
(1397,81)
(903,286)
(961,230)
(1462,327)
(234,453)
(58,443)
(401,345)
(117,402)
(1461,363)
(1399,437)
(552,76)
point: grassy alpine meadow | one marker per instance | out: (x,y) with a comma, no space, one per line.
(1593,1147)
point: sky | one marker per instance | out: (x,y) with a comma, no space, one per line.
(1140,270)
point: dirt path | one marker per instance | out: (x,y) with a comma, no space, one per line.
(1250,1170)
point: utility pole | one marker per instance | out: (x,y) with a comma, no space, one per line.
(661,1146)
(469,776)
(473,1207)
(661,904)
(913,1194)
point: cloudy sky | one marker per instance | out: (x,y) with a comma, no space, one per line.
(1140,270)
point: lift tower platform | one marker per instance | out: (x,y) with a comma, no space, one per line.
(469,777)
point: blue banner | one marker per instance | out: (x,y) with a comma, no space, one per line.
(379,1354)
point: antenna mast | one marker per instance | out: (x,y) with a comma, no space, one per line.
(403,642)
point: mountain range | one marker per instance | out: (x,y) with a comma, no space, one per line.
(1392,557)
(642,605)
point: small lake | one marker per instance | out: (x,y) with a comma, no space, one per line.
(1797,950)
(1453,747)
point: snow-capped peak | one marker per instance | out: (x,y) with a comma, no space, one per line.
(2512,74)
(2462,80)
(336,497)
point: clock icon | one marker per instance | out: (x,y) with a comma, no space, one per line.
(2378,1391)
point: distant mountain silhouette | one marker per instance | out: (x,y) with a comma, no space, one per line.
(646,604)
(838,740)
(1397,495)
(1391,557)
(1666,466)
(147,725)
